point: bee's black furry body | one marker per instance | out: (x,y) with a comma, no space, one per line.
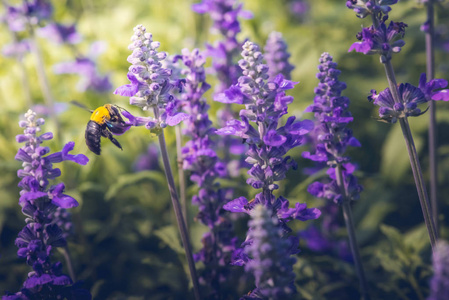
(93,136)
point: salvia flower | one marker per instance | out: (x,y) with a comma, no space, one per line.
(271,262)
(41,204)
(60,34)
(382,40)
(439,284)
(265,103)
(276,56)
(17,49)
(86,68)
(299,8)
(332,135)
(28,13)
(433,90)
(225,14)
(410,97)
(151,83)
(90,79)
(365,8)
(199,157)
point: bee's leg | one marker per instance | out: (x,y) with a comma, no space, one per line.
(108,134)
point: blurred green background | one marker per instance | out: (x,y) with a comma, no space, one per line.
(125,244)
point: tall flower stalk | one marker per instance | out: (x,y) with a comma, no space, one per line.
(25,17)
(429,29)
(333,137)
(150,89)
(397,102)
(225,53)
(40,203)
(265,103)
(199,157)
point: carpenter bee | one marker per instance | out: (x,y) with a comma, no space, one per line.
(105,121)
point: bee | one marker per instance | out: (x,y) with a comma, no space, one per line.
(105,121)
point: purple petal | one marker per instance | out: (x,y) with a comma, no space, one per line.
(236,205)
(31,196)
(441,95)
(176,119)
(274,139)
(127,90)
(231,95)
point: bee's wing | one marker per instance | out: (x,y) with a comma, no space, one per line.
(79,104)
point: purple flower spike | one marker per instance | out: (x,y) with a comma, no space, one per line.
(151,82)
(44,208)
(270,257)
(364,8)
(200,159)
(268,143)
(224,14)
(332,115)
(60,34)
(86,68)
(331,135)
(31,12)
(439,284)
(277,56)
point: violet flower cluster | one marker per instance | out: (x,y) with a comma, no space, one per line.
(271,264)
(151,84)
(199,157)
(30,15)
(364,8)
(225,54)
(40,203)
(265,103)
(439,284)
(333,137)
(276,56)
(86,67)
(410,97)
(381,39)
(325,238)
(224,14)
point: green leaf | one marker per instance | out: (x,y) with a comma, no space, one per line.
(395,162)
(169,235)
(133,179)
(393,235)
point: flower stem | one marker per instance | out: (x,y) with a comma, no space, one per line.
(181,174)
(430,70)
(414,162)
(178,213)
(43,80)
(349,221)
(65,252)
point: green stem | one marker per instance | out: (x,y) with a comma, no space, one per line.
(178,212)
(65,252)
(43,80)
(349,221)
(414,162)
(181,174)
(430,70)
(416,287)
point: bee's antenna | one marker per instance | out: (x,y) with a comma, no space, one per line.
(81,105)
